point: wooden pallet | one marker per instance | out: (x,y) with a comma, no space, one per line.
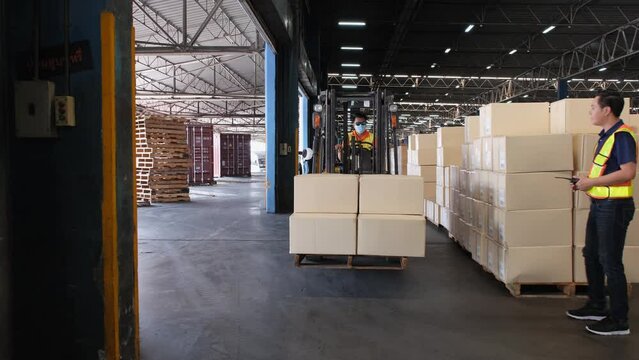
(541,289)
(358,262)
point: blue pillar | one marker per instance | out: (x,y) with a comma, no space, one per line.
(304,122)
(271,138)
(562,89)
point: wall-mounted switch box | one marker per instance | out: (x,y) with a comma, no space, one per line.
(64,110)
(34,104)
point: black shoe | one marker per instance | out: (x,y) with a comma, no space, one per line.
(609,327)
(588,312)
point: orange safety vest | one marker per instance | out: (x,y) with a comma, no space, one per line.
(599,163)
(366,140)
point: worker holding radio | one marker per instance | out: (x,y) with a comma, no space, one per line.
(610,187)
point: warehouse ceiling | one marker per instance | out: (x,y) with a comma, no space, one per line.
(200,59)
(474,52)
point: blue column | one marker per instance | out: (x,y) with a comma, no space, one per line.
(562,89)
(271,134)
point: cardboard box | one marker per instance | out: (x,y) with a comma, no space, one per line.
(429,210)
(514,119)
(450,136)
(584,151)
(475,182)
(571,116)
(466,156)
(632,120)
(480,248)
(447,197)
(580,221)
(424,157)
(487,154)
(454,202)
(464,232)
(533,191)
(471,129)
(430,190)
(484,186)
(493,257)
(439,196)
(324,234)
(464,180)
(449,156)
(463,207)
(524,228)
(425,141)
(521,154)
(436,214)
(481,216)
(440,176)
(471,244)
(391,235)
(391,194)
(630,261)
(476,158)
(545,264)
(454,177)
(427,173)
(444,218)
(493,184)
(492,223)
(326,193)
(580,199)
(447,177)
(412,142)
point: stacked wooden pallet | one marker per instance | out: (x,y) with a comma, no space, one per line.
(162,159)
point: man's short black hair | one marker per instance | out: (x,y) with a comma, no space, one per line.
(360,116)
(612,99)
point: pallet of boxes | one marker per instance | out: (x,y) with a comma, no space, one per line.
(422,162)
(449,154)
(571,116)
(515,214)
(162,159)
(357,222)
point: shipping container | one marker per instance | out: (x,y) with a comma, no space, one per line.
(200,140)
(232,155)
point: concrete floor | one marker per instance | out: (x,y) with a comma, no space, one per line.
(217,282)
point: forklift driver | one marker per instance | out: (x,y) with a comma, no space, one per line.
(364,142)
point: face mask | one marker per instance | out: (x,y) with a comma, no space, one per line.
(360,128)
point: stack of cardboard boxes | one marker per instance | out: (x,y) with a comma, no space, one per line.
(571,116)
(402,159)
(449,153)
(379,215)
(513,213)
(422,162)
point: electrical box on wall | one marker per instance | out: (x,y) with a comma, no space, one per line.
(34,103)
(64,110)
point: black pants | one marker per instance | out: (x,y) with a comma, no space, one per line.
(605,239)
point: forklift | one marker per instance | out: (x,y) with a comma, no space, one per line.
(332,123)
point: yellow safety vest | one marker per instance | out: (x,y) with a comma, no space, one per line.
(366,140)
(599,163)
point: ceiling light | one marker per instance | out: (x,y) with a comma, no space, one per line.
(333,74)
(348,75)
(510,101)
(489,67)
(406,93)
(446,94)
(469,28)
(349,86)
(447,50)
(603,69)
(457,87)
(549,29)
(526,95)
(401,76)
(351,23)
(436,100)
(350,65)
(512,51)
(357,48)
(433,65)
(366,75)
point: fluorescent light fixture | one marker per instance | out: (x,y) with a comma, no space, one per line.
(355,48)
(579,79)
(469,28)
(512,51)
(401,76)
(549,29)
(526,95)
(447,50)
(349,86)
(510,101)
(436,100)
(333,74)
(406,93)
(603,69)
(595,80)
(416,76)
(489,67)
(413,85)
(457,87)
(593,89)
(350,65)
(366,75)
(433,65)
(349,75)
(351,23)
(446,94)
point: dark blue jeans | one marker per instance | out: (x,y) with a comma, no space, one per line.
(605,239)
